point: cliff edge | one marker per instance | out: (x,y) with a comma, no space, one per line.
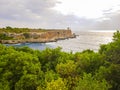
(35,36)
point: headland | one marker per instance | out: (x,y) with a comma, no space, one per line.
(11,35)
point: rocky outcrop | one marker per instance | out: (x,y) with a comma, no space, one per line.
(38,37)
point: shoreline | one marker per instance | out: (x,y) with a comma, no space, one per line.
(38,37)
(32,41)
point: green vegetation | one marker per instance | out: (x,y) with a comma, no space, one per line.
(3,36)
(9,33)
(52,69)
(26,35)
(9,29)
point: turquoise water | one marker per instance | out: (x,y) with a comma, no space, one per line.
(39,46)
(85,40)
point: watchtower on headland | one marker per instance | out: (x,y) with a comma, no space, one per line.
(68,28)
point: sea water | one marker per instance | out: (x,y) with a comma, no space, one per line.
(86,40)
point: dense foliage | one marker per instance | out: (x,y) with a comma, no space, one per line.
(14,30)
(9,29)
(3,36)
(52,69)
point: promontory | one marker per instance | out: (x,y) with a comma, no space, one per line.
(11,35)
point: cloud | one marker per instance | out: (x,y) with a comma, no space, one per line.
(41,14)
(37,13)
(110,21)
(87,8)
(24,9)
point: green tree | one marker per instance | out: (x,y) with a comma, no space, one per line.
(68,72)
(26,35)
(8,28)
(116,36)
(66,69)
(56,85)
(4,36)
(51,75)
(49,58)
(16,66)
(4,85)
(111,51)
(27,82)
(88,62)
(111,75)
(90,83)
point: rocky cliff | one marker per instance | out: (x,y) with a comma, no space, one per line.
(36,36)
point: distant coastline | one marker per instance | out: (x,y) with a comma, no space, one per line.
(11,35)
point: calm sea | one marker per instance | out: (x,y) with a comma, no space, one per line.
(85,40)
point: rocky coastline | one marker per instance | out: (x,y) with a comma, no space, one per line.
(38,37)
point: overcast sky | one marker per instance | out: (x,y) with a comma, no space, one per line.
(76,14)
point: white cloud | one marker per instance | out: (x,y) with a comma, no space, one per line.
(110,21)
(87,8)
(77,14)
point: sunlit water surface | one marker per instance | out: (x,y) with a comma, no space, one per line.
(86,40)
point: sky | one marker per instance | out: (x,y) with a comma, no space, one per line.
(76,14)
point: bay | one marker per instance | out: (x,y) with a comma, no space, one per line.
(86,40)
